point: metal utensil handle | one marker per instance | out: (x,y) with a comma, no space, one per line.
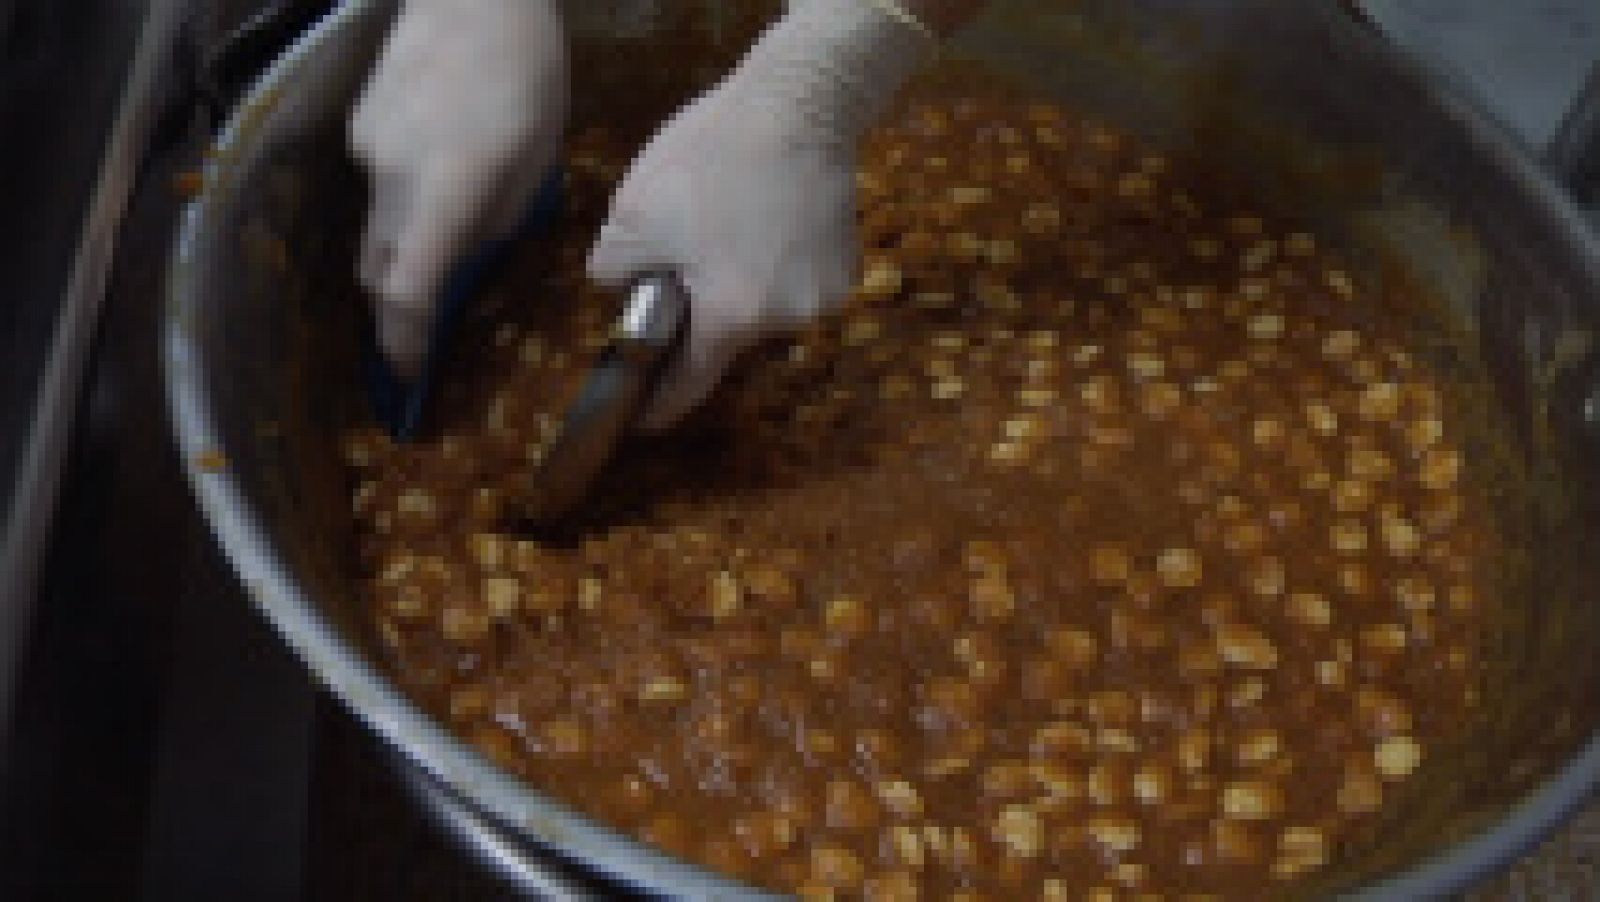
(652,324)
(646,337)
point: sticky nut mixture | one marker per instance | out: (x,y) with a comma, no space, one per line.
(1104,546)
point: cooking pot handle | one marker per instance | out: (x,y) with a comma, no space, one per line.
(1574,152)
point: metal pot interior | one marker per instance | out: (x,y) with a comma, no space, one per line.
(1286,104)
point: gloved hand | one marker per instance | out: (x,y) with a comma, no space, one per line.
(748,194)
(457,127)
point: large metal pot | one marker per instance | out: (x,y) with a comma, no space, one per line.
(1292,100)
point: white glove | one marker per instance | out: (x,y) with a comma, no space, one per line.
(748,194)
(462,118)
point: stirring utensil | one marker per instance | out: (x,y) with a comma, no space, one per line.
(401,405)
(646,336)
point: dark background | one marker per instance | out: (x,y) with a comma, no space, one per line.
(164,745)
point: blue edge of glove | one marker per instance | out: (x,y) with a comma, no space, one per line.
(400,407)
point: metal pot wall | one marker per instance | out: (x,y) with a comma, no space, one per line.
(1293,102)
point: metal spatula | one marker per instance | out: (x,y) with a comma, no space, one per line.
(647,335)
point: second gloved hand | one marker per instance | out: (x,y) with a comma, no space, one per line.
(457,127)
(749,193)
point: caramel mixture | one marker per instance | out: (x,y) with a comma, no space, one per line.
(1104,546)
